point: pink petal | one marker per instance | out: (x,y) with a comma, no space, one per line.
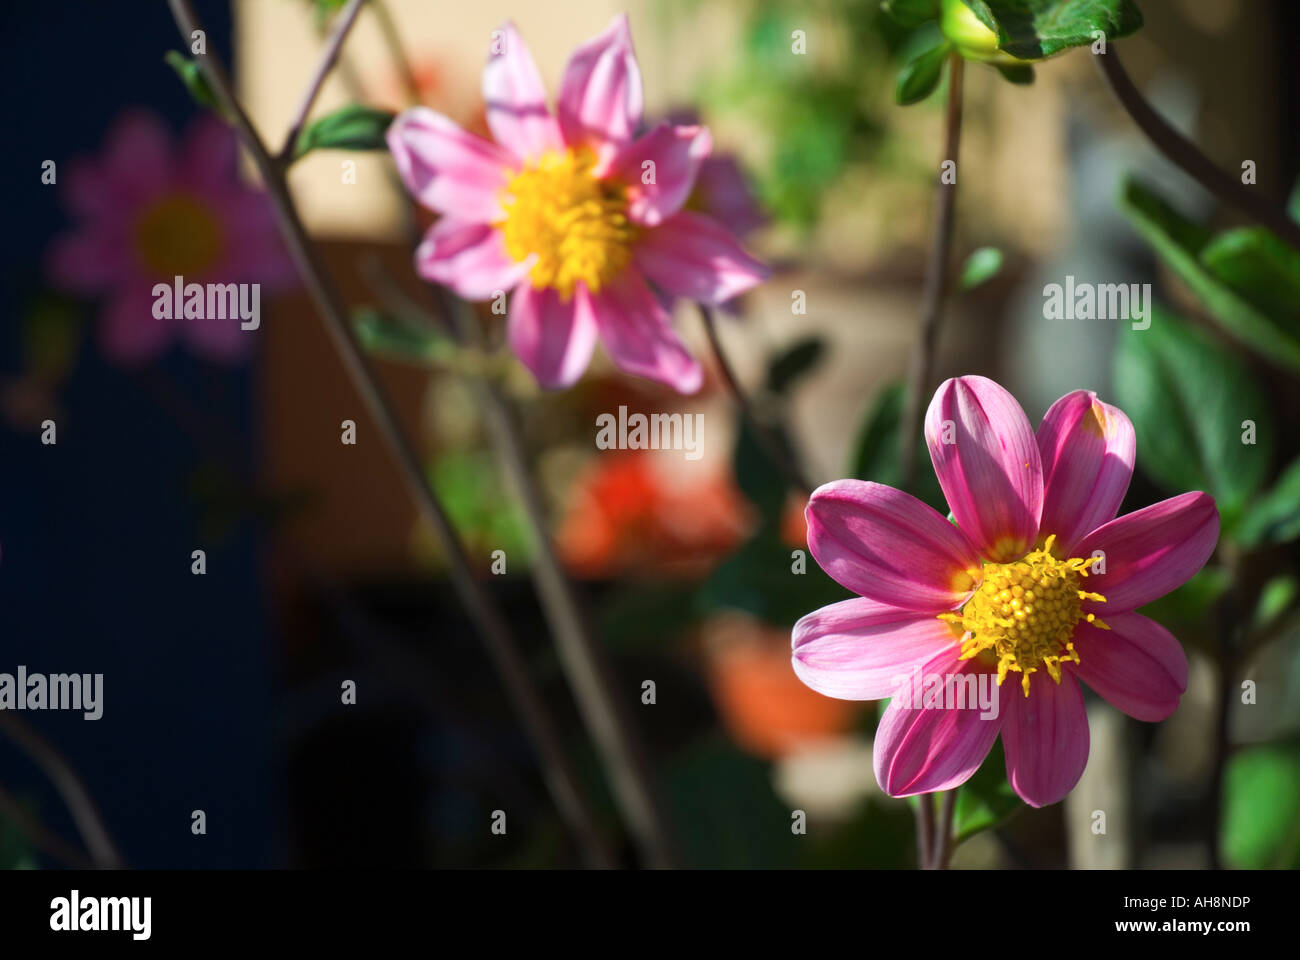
(517,113)
(470,258)
(220,339)
(989,466)
(554,339)
(90,259)
(857,649)
(1045,736)
(637,331)
(671,157)
(254,250)
(693,256)
(600,96)
(1088,448)
(447,169)
(1151,551)
(723,193)
(129,333)
(1137,665)
(924,750)
(137,159)
(887,545)
(209,155)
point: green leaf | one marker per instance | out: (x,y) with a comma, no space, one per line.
(759,579)
(1188,398)
(877,454)
(1261,816)
(982,265)
(195,82)
(911,13)
(920,77)
(1262,269)
(400,339)
(986,800)
(1019,74)
(1033,29)
(1275,597)
(1181,243)
(792,364)
(1274,517)
(354,127)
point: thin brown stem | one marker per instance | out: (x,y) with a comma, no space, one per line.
(1187,156)
(561,779)
(775,449)
(936,277)
(393,40)
(342,26)
(943,842)
(66,780)
(924,830)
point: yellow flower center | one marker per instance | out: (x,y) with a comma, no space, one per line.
(574,224)
(178,236)
(1024,613)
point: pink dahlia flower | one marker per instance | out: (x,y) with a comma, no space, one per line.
(573,212)
(1036,580)
(149,210)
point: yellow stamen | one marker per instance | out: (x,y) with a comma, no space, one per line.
(574,224)
(178,236)
(1024,613)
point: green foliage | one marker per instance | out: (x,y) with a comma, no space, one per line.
(398,338)
(487,517)
(195,82)
(1247,279)
(980,267)
(1188,399)
(354,127)
(911,13)
(1034,29)
(986,800)
(921,74)
(1261,817)
(877,454)
(1274,517)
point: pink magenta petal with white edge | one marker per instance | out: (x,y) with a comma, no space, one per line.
(886,545)
(1150,552)
(1137,665)
(857,649)
(637,331)
(446,169)
(517,113)
(987,461)
(601,101)
(1046,737)
(554,339)
(470,258)
(1088,448)
(923,750)
(693,256)
(669,157)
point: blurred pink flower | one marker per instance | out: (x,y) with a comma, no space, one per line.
(1018,584)
(572,212)
(149,210)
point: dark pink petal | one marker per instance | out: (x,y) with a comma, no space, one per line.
(857,649)
(90,259)
(129,333)
(669,157)
(137,160)
(601,100)
(1088,448)
(921,750)
(470,258)
(986,458)
(220,338)
(637,331)
(887,545)
(447,169)
(1137,665)
(554,339)
(693,256)
(208,156)
(254,250)
(517,112)
(723,192)
(1045,736)
(1151,551)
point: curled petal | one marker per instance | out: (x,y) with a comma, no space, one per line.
(1088,448)
(669,157)
(446,169)
(470,258)
(637,331)
(1149,552)
(1137,665)
(600,96)
(857,649)
(517,113)
(920,750)
(693,256)
(886,545)
(987,461)
(554,339)
(1046,738)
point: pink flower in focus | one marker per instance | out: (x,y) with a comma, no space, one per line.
(149,210)
(573,213)
(1036,580)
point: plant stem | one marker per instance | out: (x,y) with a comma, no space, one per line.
(342,27)
(1186,155)
(773,447)
(943,839)
(103,853)
(560,777)
(1226,657)
(924,830)
(936,279)
(393,40)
